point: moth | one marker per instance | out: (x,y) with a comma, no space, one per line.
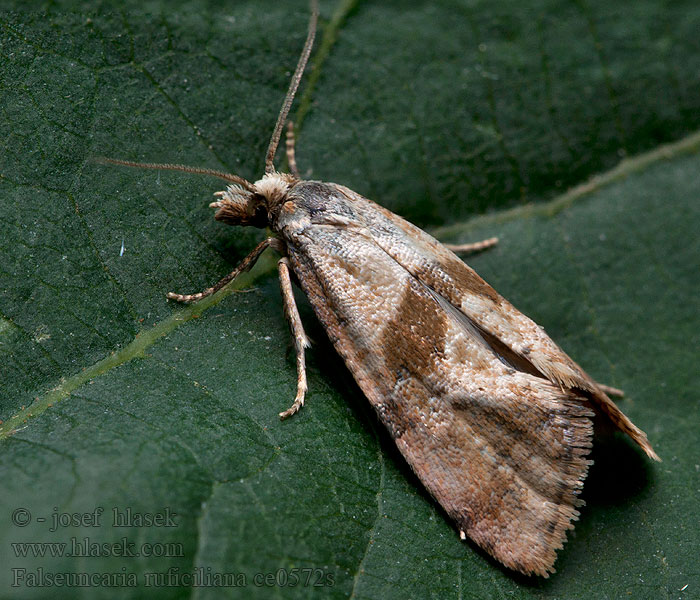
(493,417)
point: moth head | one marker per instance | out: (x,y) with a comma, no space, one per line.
(238,205)
(254,204)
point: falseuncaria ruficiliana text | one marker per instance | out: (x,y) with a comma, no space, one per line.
(494,418)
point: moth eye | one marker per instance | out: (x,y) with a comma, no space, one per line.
(260,213)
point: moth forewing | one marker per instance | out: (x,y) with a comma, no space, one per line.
(499,444)
(494,418)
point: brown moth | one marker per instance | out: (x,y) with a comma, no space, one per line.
(493,417)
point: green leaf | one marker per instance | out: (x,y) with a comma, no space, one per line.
(114,398)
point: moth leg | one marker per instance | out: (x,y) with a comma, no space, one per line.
(611,391)
(291,157)
(300,339)
(473,247)
(246,264)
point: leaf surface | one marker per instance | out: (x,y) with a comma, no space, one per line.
(471,117)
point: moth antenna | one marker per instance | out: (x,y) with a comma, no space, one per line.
(293,85)
(185,168)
